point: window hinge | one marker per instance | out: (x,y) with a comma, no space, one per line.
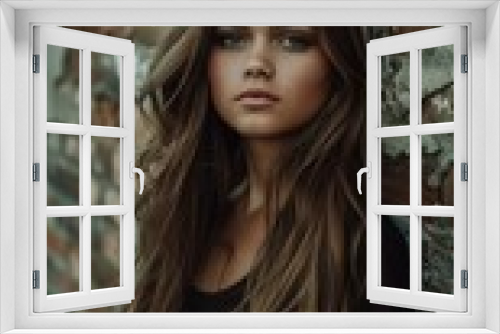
(36,172)
(36,279)
(465,63)
(465,279)
(36,63)
(464,171)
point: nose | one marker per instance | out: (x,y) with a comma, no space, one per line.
(257,70)
(259,63)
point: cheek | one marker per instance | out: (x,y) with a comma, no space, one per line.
(222,75)
(307,85)
(225,80)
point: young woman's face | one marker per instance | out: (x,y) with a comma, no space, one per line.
(267,81)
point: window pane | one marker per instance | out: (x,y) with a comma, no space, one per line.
(105,234)
(63,170)
(437,169)
(63,84)
(105,171)
(63,252)
(395,244)
(395,89)
(395,171)
(437,84)
(105,90)
(437,254)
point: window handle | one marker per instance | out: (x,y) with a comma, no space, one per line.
(138,171)
(368,171)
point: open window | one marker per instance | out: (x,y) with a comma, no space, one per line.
(17,18)
(417,166)
(82,215)
(86,217)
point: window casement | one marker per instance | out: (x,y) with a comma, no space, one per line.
(415,146)
(75,202)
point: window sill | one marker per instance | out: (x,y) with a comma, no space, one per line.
(267,331)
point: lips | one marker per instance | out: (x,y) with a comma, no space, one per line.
(257,98)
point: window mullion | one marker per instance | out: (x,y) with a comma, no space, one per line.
(85,245)
(414,170)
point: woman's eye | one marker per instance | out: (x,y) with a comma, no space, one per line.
(295,43)
(230,40)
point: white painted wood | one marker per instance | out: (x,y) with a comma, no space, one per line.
(419,210)
(86,298)
(491,170)
(372,196)
(278,4)
(248,331)
(86,189)
(415,162)
(434,211)
(416,166)
(413,43)
(417,129)
(127,119)
(76,129)
(460,155)
(186,13)
(424,39)
(7,167)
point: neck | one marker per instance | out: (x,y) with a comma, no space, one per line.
(261,156)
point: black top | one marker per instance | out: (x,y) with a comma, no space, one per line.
(224,300)
(395,273)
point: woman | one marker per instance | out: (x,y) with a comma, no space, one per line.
(260,131)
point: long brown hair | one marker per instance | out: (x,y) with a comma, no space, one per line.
(312,257)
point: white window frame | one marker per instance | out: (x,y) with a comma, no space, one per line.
(17,19)
(413,44)
(123,51)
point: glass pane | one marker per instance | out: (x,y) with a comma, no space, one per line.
(395,250)
(437,254)
(105,171)
(105,236)
(395,171)
(105,90)
(395,89)
(437,84)
(63,251)
(63,170)
(63,84)
(437,169)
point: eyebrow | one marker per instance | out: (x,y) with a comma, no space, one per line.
(271,28)
(294,28)
(231,28)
